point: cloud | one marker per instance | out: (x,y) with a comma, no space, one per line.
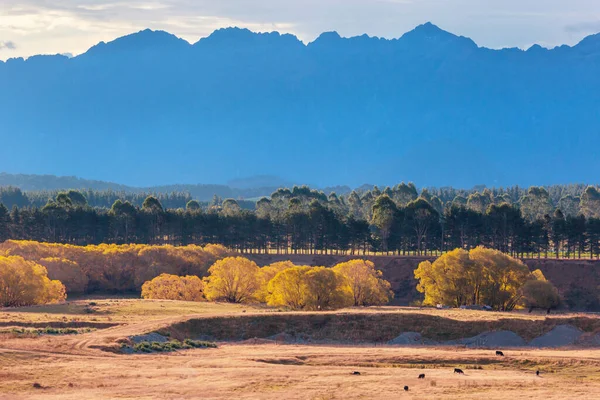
(8,45)
(584,27)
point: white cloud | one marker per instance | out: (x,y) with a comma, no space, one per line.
(57,26)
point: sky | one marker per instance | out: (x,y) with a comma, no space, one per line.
(29,27)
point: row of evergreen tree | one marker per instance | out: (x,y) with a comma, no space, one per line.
(395,220)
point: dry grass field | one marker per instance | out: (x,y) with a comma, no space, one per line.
(79,367)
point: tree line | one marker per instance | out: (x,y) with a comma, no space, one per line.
(109,267)
(397,220)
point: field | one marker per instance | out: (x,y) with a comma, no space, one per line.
(85,365)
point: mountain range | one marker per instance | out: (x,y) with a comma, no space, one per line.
(430,107)
(255,188)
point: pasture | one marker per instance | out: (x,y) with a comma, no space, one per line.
(89,365)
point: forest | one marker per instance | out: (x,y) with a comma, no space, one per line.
(555,221)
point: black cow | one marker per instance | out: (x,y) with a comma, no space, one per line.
(499,353)
(537,373)
(356,373)
(422,376)
(406,388)
(458,371)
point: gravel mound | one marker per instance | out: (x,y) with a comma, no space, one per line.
(561,335)
(150,337)
(491,340)
(410,338)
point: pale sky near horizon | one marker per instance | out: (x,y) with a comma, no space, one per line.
(29,27)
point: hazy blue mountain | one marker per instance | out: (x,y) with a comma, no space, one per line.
(430,107)
(202,192)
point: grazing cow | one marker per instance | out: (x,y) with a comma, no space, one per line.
(499,353)
(422,376)
(406,388)
(537,373)
(458,371)
(356,373)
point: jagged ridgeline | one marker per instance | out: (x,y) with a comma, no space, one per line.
(430,105)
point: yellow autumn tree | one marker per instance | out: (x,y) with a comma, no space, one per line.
(366,284)
(538,292)
(24,283)
(326,289)
(480,276)
(309,288)
(173,287)
(446,280)
(289,288)
(232,279)
(505,276)
(267,273)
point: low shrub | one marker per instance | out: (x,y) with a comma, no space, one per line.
(46,331)
(172,345)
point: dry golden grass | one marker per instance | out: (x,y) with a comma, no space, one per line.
(302,372)
(74,367)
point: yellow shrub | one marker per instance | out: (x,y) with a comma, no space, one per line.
(365,283)
(173,287)
(233,279)
(24,283)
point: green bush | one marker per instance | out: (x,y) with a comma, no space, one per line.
(47,331)
(173,345)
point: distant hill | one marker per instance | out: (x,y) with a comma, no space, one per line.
(52,182)
(200,192)
(430,107)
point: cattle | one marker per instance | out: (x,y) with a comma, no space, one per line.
(537,373)
(422,376)
(355,373)
(406,388)
(458,371)
(499,353)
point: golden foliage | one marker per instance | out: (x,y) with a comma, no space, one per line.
(540,294)
(288,288)
(267,273)
(327,290)
(66,271)
(111,267)
(538,275)
(366,285)
(24,283)
(233,279)
(481,276)
(173,287)
(309,288)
